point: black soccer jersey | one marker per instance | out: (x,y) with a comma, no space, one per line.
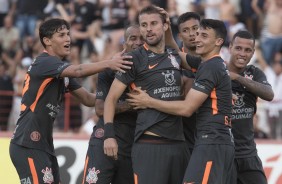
(213,117)
(189,123)
(42,94)
(160,76)
(124,123)
(243,111)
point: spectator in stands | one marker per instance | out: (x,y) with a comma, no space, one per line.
(7,73)
(274,108)
(7,8)
(271,36)
(10,41)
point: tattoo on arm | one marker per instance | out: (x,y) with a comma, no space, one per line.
(261,90)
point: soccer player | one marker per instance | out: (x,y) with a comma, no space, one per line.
(248,83)
(107,169)
(188,24)
(46,81)
(159,153)
(213,153)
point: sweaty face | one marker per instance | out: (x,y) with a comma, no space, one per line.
(152,28)
(59,43)
(241,51)
(206,43)
(134,39)
(188,32)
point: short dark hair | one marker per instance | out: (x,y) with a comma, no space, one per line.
(151,10)
(51,26)
(126,34)
(187,16)
(217,25)
(243,34)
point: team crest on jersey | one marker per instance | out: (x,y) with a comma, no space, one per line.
(173,61)
(169,77)
(35,136)
(48,176)
(248,76)
(240,101)
(66,81)
(92,176)
(99,133)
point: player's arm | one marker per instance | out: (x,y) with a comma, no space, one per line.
(110,144)
(118,63)
(120,107)
(86,98)
(187,107)
(263,91)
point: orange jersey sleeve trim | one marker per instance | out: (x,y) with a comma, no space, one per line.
(207,172)
(33,171)
(39,93)
(26,84)
(214,102)
(85,168)
(135,179)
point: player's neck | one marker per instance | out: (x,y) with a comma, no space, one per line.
(209,55)
(234,69)
(159,48)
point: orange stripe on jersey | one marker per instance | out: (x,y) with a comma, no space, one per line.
(194,70)
(85,168)
(145,46)
(207,172)
(33,171)
(39,93)
(132,86)
(214,102)
(23,107)
(26,84)
(135,179)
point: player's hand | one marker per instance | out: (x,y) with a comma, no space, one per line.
(138,98)
(111,148)
(120,62)
(233,76)
(163,12)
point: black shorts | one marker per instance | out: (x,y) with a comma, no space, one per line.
(159,163)
(248,171)
(211,164)
(34,166)
(101,169)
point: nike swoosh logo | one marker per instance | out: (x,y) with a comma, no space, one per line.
(152,66)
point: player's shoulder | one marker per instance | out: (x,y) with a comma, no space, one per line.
(45,57)
(251,69)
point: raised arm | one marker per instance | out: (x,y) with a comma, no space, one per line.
(118,63)
(263,91)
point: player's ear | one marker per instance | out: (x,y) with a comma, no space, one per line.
(47,41)
(219,42)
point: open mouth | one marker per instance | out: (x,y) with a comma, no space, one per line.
(67,46)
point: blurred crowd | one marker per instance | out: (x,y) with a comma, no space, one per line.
(97,28)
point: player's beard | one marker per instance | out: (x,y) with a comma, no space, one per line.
(154,42)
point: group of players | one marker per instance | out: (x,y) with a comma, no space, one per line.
(166,115)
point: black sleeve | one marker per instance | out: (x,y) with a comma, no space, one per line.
(260,77)
(51,67)
(130,75)
(193,61)
(104,84)
(73,84)
(206,78)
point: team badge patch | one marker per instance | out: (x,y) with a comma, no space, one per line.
(173,61)
(66,81)
(35,136)
(92,176)
(99,133)
(48,176)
